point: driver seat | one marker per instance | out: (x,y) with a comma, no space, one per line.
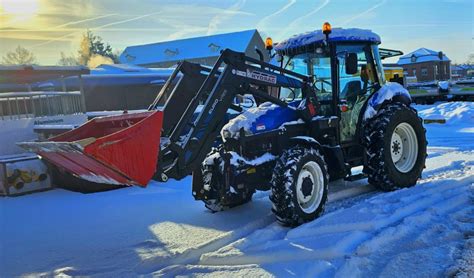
(351,91)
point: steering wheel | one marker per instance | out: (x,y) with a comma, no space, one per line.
(358,93)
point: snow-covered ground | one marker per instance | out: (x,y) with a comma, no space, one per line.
(427,230)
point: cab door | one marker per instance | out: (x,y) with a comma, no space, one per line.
(354,89)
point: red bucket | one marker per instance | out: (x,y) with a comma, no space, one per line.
(117,150)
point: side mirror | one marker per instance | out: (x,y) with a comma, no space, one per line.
(351,63)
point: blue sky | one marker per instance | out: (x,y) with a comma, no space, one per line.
(48,27)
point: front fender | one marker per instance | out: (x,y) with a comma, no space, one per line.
(305,141)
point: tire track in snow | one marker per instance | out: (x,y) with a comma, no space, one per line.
(388,251)
(193,256)
(353,234)
(340,199)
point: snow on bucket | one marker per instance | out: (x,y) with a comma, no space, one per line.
(116,150)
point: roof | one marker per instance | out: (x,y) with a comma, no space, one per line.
(199,47)
(128,69)
(337,35)
(42,68)
(422,55)
(462,67)
(28,74)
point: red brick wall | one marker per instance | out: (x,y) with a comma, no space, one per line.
(443,72)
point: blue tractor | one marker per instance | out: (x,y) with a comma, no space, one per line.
(323,110)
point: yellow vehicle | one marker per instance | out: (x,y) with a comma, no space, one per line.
(394,74)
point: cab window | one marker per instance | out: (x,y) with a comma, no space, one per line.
(354,89)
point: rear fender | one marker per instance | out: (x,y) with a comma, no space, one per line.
(390,92)
(397,99)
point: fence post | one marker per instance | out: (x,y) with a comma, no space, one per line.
(83,96)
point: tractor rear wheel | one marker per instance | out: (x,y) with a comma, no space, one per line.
(299,186)
(396,147)
(220,199)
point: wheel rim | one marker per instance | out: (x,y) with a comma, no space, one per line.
(310,187)
(404,147)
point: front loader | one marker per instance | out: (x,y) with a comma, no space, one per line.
(323,111)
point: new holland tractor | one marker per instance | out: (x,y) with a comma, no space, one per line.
(321,110)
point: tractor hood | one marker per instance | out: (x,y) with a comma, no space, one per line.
(260,119)
(300,43)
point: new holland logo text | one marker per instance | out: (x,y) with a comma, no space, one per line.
(257,75)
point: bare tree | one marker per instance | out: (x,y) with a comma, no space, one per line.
(470,59)
(67,60)
(20,56)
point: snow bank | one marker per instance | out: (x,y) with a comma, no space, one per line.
(387,92)
(444,85)
(454,113)
(457,132)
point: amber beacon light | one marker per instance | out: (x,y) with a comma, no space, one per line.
(326,28)
(268,43)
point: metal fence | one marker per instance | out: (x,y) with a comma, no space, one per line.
(40,104)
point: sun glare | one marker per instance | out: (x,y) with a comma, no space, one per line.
(22,8)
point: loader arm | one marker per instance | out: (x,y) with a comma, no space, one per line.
(191,138)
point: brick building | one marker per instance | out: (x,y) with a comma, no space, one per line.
(462,71)
(426,65)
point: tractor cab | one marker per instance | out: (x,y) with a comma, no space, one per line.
(344,66)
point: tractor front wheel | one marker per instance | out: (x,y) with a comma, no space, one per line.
(299,186)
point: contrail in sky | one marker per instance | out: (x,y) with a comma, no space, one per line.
(217,19)
(261,23)
(82,21)
(298,22)
(364,12)
(97,28)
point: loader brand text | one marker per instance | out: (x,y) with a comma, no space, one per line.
(261,76)
(217,101)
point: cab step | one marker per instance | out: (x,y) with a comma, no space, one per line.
(356,177)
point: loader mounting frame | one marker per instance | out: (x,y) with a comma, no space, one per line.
(190,138)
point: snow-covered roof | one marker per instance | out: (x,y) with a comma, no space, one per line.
(317,36)
(128,69)
(421,55)
(199,47)
(462,67)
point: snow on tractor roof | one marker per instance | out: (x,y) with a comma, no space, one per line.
(337,35)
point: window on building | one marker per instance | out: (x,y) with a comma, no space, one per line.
(424,72)
(436,70)
(405,73)
(446,70)
(414,71)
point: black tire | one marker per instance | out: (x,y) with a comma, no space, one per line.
(213,180)
(286,206)
(380,168)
